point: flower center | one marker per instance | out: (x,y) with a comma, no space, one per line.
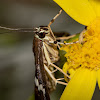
(95,25)
(87,54)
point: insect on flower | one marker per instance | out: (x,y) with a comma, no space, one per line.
(46,53)
(45,48)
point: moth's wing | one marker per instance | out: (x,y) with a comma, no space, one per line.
(41,89)
(53,55)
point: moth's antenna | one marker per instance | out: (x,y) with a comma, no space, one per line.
(17,29)
(6,28)
(55,18)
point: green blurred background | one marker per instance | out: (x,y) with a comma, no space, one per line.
(16,56)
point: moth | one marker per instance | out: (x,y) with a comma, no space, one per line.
(45,48)
(46,54)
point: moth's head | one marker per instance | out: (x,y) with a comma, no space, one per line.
(42,31)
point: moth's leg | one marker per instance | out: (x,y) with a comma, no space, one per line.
(53,78)
(64,43)
(54,71)
(52,33)
(53,36)
(63,83)
(60,79)
(50,73)
(51,23)
(81,36)
(65,38)
(55,17)
(50,63)
(60,70)
(68,43)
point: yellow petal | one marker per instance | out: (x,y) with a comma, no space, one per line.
(81,11)
(81,86)
(98,77)
(96,6)
(72,72)
(65,69)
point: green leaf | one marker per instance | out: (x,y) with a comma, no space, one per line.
(62,58)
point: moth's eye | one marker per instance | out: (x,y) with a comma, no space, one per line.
(42,35)
(43,26)
(46,29)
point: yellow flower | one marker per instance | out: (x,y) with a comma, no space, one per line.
(83,60)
